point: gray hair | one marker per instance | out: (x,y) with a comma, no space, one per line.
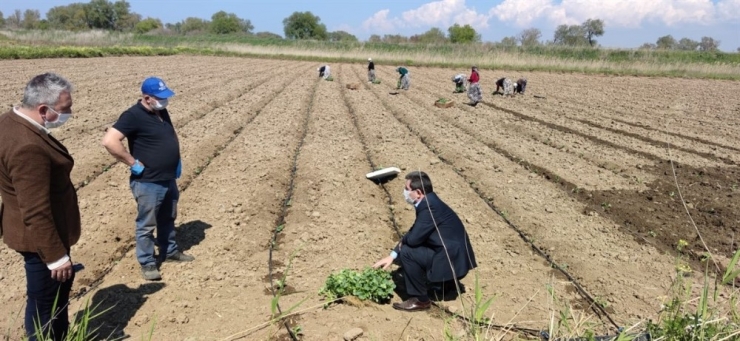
(45,89)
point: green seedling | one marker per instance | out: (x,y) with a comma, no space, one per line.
(371,284)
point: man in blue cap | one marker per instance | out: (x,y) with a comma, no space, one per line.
(154,159)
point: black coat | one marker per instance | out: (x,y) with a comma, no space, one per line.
(451,230)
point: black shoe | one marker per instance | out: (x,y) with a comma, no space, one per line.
(150,272)
(179,257)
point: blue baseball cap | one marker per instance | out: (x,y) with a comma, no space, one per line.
(154,86)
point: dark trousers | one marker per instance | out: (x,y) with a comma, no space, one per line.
(415,263)
(46,306)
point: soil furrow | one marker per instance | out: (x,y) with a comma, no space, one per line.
(572,240)
(200,143)
(508,268)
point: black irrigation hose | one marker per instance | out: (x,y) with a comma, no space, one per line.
(284,207)
(351,111)
(598,309)
(96,282)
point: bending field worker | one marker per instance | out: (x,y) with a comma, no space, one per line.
(324,71)
(404,81)
(459,81)
(507,85)
(435,253)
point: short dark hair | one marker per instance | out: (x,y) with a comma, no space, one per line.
(420,180)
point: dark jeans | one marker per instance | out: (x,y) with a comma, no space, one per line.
(47,301)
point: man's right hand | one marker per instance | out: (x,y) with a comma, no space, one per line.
(62,273)
(137,168)
(385,263)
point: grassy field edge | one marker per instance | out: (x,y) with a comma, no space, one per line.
(17,51)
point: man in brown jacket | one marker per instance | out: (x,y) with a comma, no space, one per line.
(39,215)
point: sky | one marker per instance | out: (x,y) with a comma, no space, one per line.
(628,23)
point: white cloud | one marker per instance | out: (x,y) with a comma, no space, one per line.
(616,13)
(380,22)
(729,10)
(442,13)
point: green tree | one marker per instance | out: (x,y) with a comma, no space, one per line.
(666,43)
(31,18)
(224,23)
(71,17)
(593,28)
(374,39)
(395,39)
(2,20)
(268,35)
(432,36)
(530,37)
(463,34)
(341,36)
(146,25)
(14,20)
(508,42)
(570,35)
(708,44)
(106,15)
(648,46)
(192,24)
(304,25)
(687,44)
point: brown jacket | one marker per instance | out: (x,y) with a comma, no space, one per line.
(39,211)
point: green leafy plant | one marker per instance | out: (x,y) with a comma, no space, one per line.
(377,81)
(330,78)
(442,100)
(371,284)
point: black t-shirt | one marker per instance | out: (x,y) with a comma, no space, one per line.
(151,141)
(371,66)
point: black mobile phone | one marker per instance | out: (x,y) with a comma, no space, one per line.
(77,267)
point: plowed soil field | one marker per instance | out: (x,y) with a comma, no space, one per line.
(567,192)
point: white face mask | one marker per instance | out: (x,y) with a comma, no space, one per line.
(160,104)
(61,119)
(407,197)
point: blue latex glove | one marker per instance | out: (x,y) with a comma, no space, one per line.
(178,172)
(137,168)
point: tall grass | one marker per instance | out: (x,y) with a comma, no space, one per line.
(716,65)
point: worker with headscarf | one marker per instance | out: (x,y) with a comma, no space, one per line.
(459,81)
(474,92)
(324,71)
(370,70)
(404,82)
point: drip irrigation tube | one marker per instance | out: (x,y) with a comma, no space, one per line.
(284,208)
(595,307)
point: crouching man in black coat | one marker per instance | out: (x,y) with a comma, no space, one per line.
(435,250)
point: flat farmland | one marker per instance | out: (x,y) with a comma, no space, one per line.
(568,193)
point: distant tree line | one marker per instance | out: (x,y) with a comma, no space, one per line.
(685,44)
(117,16)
